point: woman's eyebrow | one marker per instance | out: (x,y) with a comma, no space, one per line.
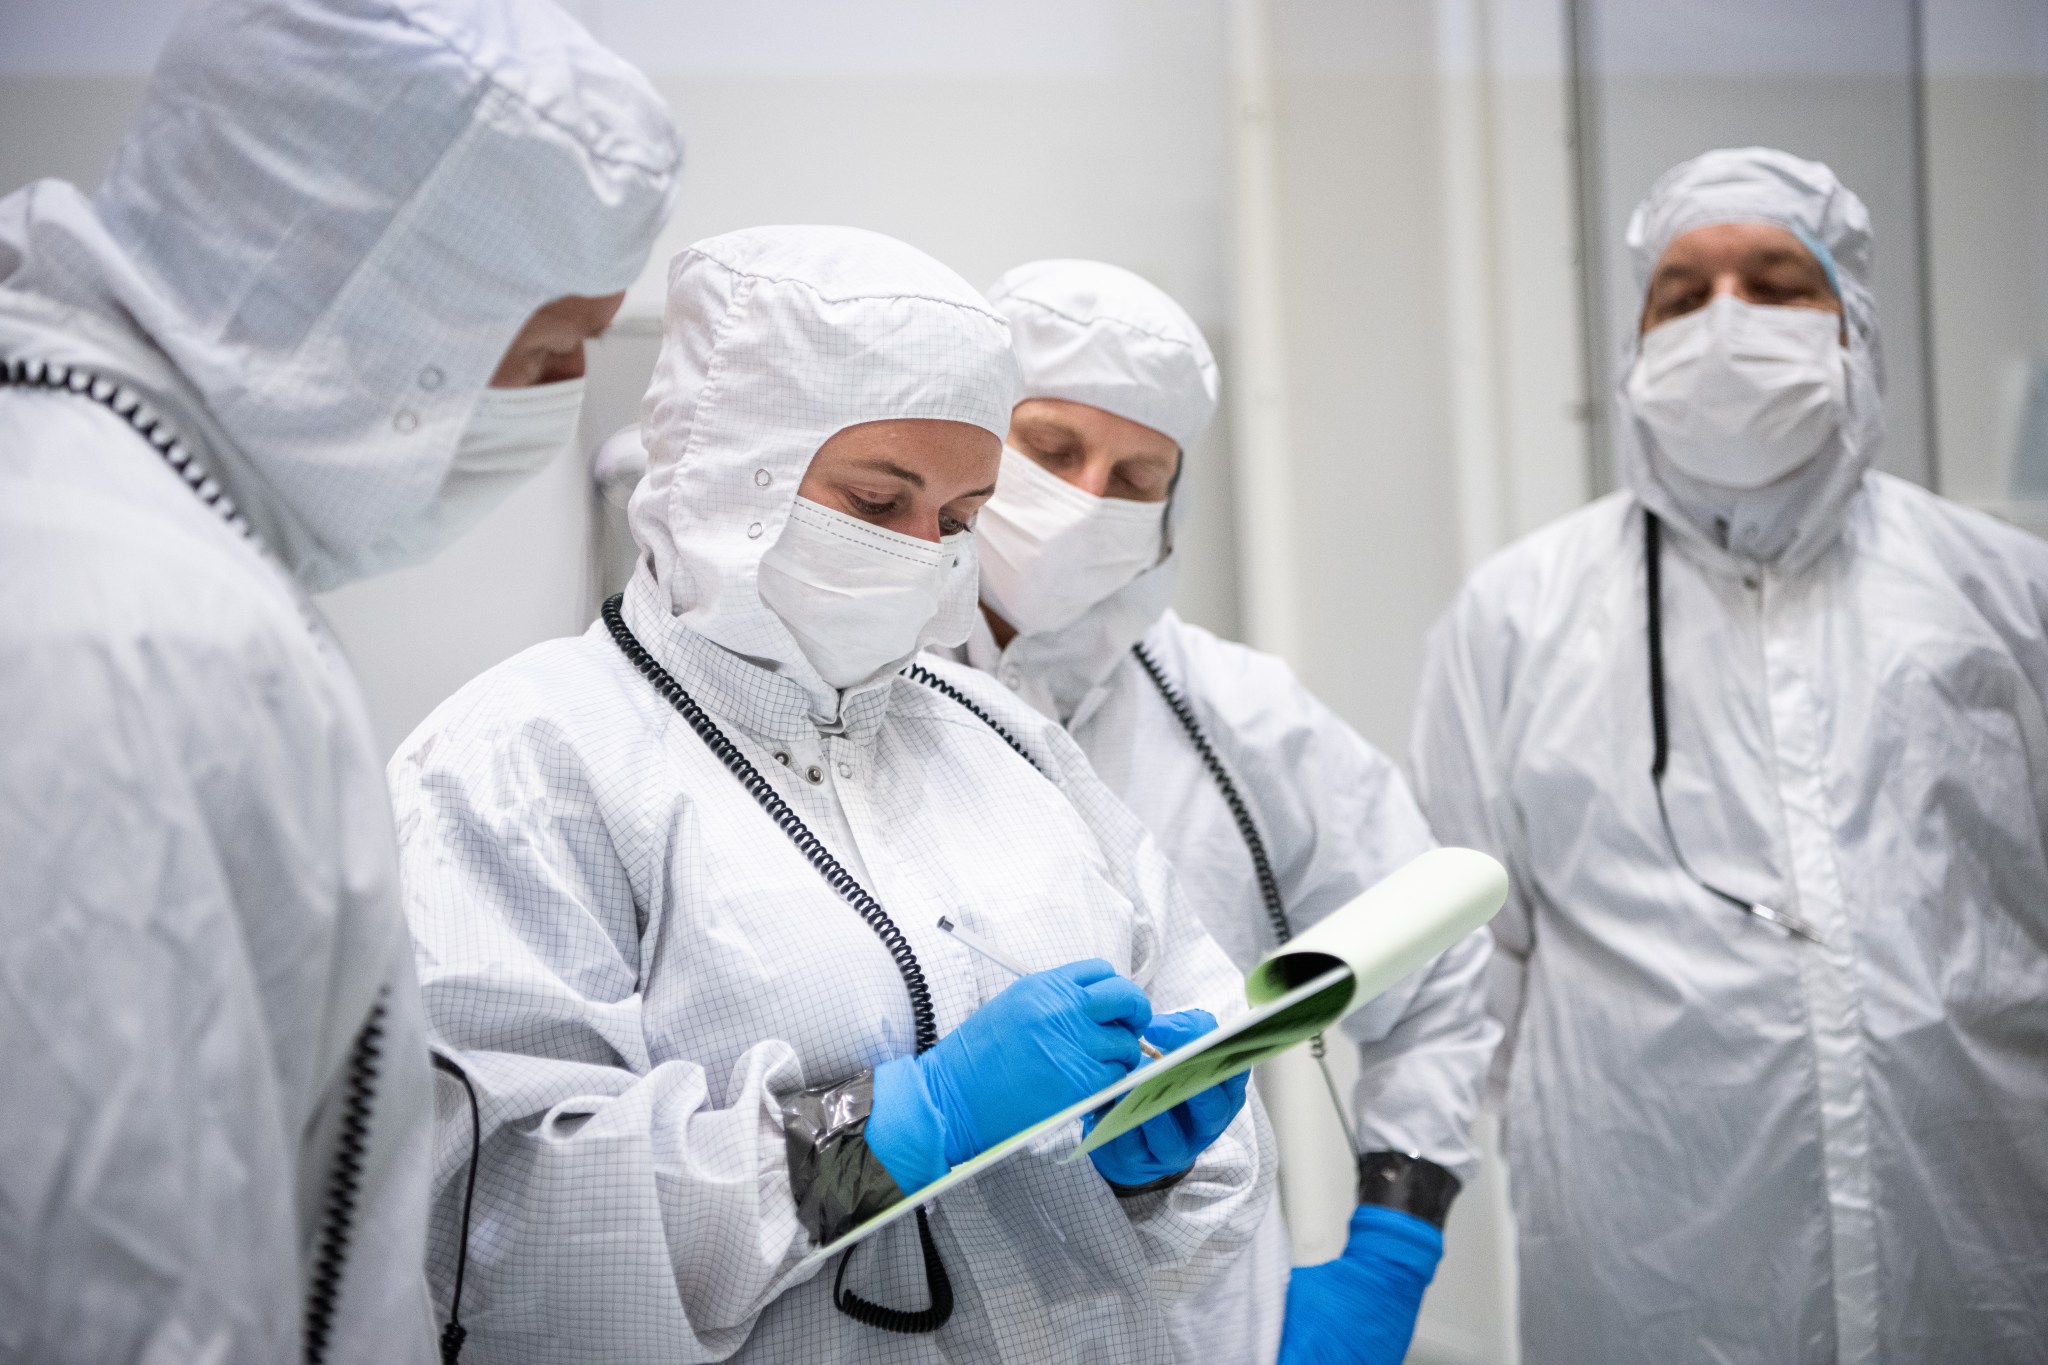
(890,467)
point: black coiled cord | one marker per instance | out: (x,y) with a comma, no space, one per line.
(146,421)
(454,1334)
(850,890)
(338,1214)
(323,1293)
(918,673)
(1269,885)
(1262,865)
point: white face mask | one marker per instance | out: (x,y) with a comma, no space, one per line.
(1050,551)
(511,435)
(1738,394)
(856,597)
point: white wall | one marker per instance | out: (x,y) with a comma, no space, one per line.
(1427,346)
(1988,153)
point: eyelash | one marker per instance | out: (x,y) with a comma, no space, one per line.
(872,509)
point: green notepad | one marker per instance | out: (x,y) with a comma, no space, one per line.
(1294,992)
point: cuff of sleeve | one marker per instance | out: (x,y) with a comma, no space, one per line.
(836,1179)
(1164,1182)
(906,1132)
(1409,1184)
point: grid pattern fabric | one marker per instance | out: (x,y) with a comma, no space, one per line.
(632,962)
(1336,817)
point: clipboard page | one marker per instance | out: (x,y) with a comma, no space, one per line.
(1380,936)
(1326,984)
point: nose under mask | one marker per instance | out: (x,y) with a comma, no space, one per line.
(1739,395)
(857,598)
(1050,551)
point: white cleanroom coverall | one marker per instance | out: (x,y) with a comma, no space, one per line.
(1335,815)
(634,963)
(1728,1143)
(309,282)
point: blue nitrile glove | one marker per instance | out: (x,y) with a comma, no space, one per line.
(1048,1040)
(1360,1308)
(1168,1143)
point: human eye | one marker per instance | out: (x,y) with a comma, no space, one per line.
(869,506)
(1051,454)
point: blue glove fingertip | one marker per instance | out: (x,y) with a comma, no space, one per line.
(1118,1000)
(1169,1031)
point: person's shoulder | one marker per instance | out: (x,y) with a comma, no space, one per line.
(108,562)
(1541,575)
(1963,535)
(1558,551)
(555,694)
(973,709)
(952,691)
(1254,700)
(1233,680)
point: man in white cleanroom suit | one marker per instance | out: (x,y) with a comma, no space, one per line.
(254,363)
(1776,1086)
(1273,811)
(675,886)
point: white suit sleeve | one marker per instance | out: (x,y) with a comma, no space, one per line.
(1337,817)
(624,1210)
(1453,755)
(1193,1229)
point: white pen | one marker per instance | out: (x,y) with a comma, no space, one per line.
(973,943)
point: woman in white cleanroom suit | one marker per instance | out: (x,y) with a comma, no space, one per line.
(303,331)
(1776,1088)
(1273,811)
(695,1056)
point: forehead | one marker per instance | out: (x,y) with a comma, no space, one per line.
(1094,424)
(1734,246)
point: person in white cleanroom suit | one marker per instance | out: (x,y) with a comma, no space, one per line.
(1810,1129)
(1078,564)
(699,1048)
(252,363)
